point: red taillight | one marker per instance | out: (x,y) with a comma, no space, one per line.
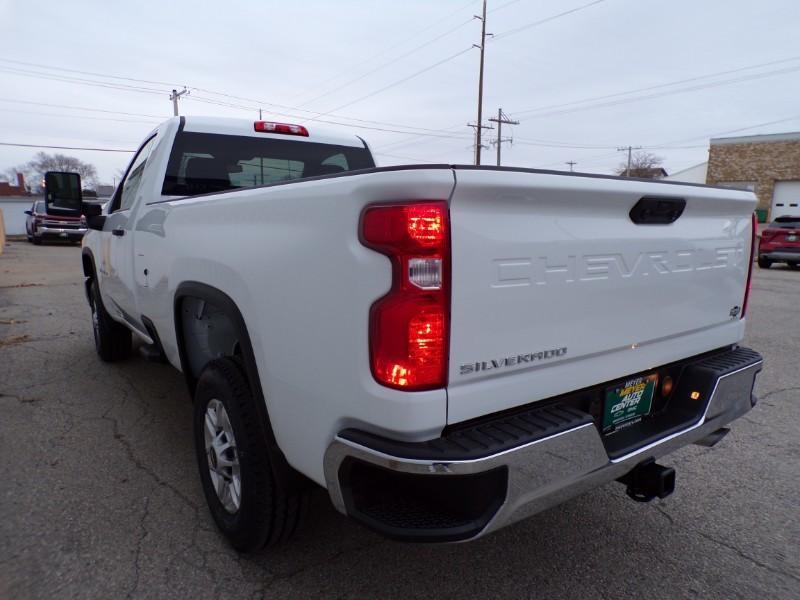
(409,327)
(284,128)
(753,232)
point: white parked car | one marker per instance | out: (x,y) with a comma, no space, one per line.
(445,349)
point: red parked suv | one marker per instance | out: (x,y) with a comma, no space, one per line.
(780,242)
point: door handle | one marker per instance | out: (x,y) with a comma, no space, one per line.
(119,231)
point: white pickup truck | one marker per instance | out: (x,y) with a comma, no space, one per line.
(446,349)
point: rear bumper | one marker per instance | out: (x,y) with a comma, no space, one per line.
(554,453)
(787,255)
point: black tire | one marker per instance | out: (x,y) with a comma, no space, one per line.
(270,508)
(764,263)
(794,265)
(30,238)
(37,241)
(111,339)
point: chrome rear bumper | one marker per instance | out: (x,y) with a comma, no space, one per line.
(550,470)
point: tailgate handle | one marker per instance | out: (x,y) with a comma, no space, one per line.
(657,211)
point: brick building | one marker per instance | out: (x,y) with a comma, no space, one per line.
(769,165)
(6,189)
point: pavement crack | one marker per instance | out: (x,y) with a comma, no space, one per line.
(22,399)
(747,557)
(779,391)
(665,513)
(329,560)
(137,558)
(128,447)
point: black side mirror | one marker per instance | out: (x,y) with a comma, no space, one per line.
(29,212)
(62,193)
(93,211)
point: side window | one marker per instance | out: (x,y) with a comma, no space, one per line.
(133,179)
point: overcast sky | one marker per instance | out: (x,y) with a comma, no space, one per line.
(566,79)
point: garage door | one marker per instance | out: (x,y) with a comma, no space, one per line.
(786,199)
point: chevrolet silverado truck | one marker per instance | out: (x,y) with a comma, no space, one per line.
(445,349)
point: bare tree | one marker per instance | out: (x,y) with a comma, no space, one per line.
(44,162)
(643,164)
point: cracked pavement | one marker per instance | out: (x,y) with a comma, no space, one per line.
(100,496)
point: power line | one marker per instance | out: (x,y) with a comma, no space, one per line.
(65,147)
(328,122)
(386,64)
(94,74)
(70,107)
(654,87)
(62,115)
(398,82)
(516,30)
(669,146)
(79,81)
(405,40)
(259,102)
(667,93)
(402,43)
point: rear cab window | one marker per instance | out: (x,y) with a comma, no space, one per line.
(201,163)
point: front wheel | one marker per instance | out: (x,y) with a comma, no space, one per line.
(111,339)
(237,466)
(764,263)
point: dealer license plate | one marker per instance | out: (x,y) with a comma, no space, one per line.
(628,402)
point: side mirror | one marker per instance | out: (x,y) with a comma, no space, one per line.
(29,212)
(62,193)
(93,211)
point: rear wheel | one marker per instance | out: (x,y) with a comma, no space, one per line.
(111,339)
(237,466)
(794,265)
(764,263)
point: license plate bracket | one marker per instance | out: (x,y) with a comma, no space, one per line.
(628,402)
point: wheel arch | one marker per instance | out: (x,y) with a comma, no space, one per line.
(89,270)
(224,303)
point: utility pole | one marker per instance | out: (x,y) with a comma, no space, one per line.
(259,115)
(174,97)
(474,126)
(571,164)
(501,118)
(629,150)
(479,122)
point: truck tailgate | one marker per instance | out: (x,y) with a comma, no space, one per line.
(555,288)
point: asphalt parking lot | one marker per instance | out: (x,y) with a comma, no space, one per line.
(99,496)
